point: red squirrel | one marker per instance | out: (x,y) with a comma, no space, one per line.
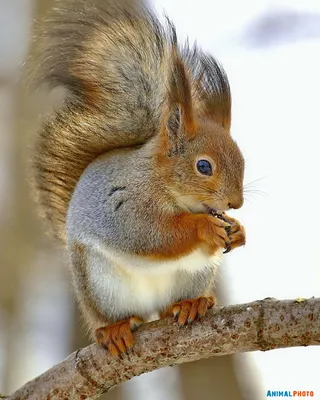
(134,168)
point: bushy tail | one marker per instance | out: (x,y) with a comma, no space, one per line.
(109,56)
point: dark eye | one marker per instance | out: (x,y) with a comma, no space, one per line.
(204,167)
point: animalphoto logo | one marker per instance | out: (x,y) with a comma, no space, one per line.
(290,393)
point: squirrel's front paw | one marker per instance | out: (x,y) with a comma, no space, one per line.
(214,231)
(236,233)
(187,311)
(118,338)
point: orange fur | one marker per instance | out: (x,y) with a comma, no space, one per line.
(189,232)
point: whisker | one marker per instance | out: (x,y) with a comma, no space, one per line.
(246,199)
(255,191)
(255,181)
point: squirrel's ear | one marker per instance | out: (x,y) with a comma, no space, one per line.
(180,95)
(213,91)
(178,120)
(180,112)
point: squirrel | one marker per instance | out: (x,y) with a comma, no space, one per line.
(135,170)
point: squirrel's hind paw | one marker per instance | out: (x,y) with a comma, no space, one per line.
(187,311)
(118,338)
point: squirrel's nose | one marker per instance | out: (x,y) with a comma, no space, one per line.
(236,201)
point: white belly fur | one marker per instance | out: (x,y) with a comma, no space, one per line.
(147,285)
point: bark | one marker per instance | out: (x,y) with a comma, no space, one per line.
(261,325)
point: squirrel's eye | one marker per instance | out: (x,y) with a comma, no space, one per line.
(204,167)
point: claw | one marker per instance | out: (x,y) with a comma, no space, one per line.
(227,250)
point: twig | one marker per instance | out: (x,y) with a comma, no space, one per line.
(262,325)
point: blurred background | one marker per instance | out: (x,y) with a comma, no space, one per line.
(270,49)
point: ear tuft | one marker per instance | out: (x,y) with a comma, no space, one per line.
(178,124)
(179,95)
(213,91)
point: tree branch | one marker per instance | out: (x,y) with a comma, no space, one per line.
(262,325)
